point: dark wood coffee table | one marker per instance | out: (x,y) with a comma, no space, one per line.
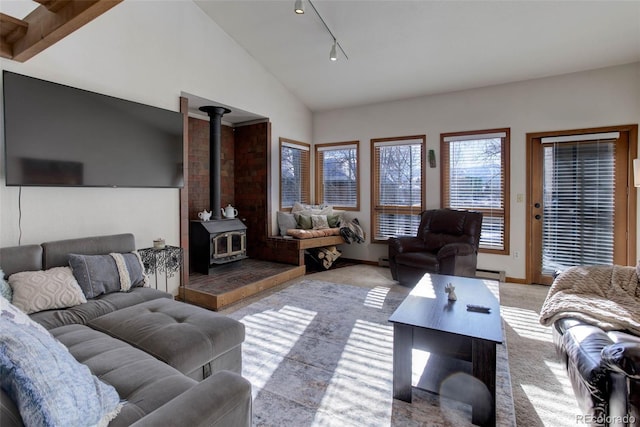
(428,321)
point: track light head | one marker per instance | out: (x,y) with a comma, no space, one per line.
(332,55)
(298,8)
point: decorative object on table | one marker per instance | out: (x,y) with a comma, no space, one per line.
(159,243)
(451,290)
(229,212)
(167,260)
(204,215)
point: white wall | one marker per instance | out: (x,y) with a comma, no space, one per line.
(603,97)
(148,52)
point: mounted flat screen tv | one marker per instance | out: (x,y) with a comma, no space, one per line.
(56,135)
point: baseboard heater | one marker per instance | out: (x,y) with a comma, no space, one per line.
(491,274)
(480,273)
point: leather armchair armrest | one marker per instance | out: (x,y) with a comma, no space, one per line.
(454,249)
(622,357)
(401,244)
(223,399)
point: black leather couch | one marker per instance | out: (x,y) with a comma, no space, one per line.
(604,370)
(446,243)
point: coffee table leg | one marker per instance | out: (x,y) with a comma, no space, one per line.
(483,356)
(402,346)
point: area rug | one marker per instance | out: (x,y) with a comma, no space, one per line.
(321,354)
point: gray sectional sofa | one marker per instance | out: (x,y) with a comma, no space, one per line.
(171,363)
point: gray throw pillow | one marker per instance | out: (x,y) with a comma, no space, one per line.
(285,222)
(103,274)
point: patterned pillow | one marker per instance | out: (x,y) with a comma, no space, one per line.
(5,289)
(319,222)
(103,274)
(45,290)
(46,383)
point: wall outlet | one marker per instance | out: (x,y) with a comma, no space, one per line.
(519,198)
(516,254)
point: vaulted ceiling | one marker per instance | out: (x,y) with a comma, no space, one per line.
(398,49)
(395,49)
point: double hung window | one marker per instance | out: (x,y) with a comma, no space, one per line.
(475,176)
(397,167)
(295,183)
(337,181)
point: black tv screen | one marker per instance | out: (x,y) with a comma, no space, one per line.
(56,135)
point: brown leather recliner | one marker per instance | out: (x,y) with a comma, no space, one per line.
(446,243)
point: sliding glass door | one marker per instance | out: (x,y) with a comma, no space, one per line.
(579,210)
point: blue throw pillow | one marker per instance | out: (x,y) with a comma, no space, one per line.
(5,289)
(49,387)
(103,274)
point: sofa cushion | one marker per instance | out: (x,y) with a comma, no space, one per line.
(583,345)
(96,307)
(45,290)
(197,336)
(47,384)
(103,274)
(142,381)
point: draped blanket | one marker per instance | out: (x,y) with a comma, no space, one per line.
(605,296)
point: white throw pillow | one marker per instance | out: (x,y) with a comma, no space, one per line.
(319,222)
(45,290)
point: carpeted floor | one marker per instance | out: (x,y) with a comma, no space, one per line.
(541,389)
(320,353)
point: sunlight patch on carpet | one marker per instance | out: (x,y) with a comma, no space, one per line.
(359,387)
(561,406)
(270,335)
(525,323)
(376,297)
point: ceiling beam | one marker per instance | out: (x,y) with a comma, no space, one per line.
(11,29)
(49,23)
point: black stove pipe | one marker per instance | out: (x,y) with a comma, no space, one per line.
(215,136)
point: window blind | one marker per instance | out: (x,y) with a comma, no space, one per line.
(474,178)
(398,192)
(337,171)
(578,208)
(294,174)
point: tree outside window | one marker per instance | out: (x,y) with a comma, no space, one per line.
(295,185)
(398,185)
(475,176)
(337,181)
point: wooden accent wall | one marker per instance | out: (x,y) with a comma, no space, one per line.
(252,183)
(246,184)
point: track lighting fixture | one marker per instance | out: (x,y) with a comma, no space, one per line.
(333,56)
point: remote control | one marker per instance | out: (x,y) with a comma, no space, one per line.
(480,308)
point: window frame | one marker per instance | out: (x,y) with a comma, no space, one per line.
(376,207)
(319,169)
(306,177)
(506,178)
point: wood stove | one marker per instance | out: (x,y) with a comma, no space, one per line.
(216,242)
